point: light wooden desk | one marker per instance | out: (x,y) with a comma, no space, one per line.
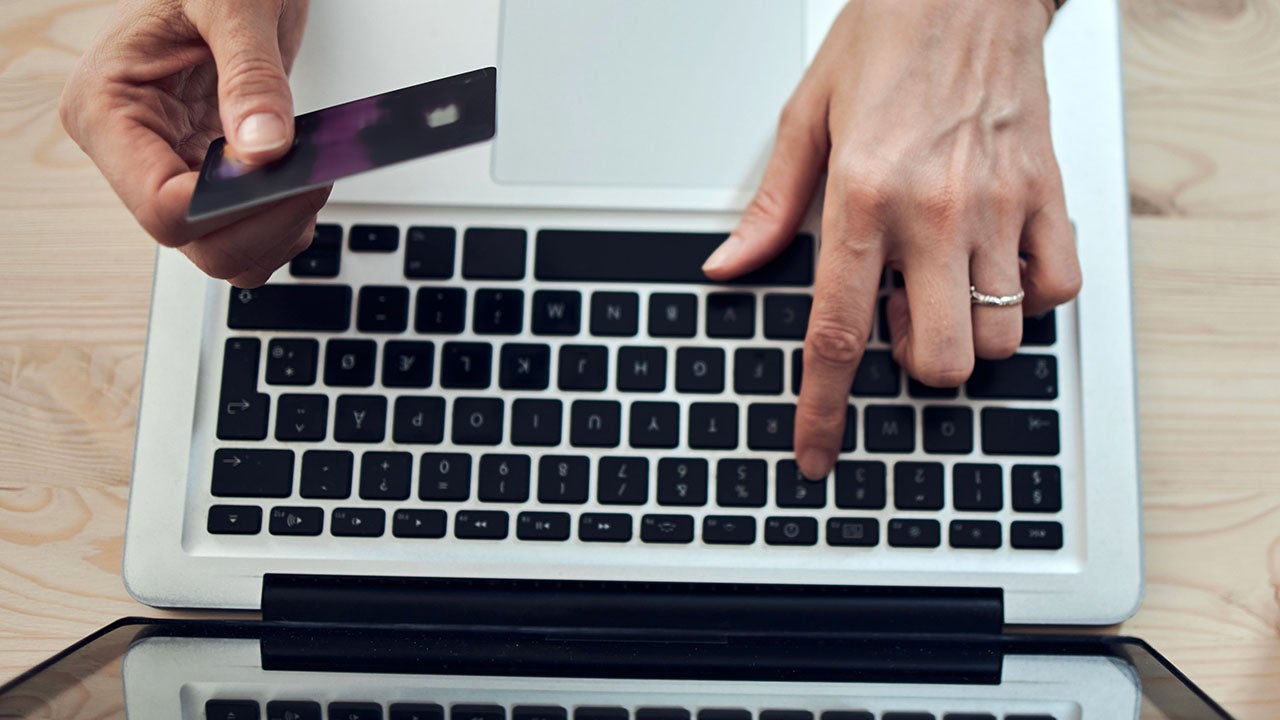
(1204,131)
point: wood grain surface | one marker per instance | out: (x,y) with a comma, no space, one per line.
(1203,92)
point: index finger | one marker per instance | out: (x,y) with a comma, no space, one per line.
(850,264)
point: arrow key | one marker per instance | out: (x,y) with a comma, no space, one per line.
(235,520)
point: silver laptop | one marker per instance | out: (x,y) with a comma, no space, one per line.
(503,362)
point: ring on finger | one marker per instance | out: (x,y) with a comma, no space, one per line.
(980,298)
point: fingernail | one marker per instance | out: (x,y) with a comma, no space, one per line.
(723,254)
(259,132)
(816,464)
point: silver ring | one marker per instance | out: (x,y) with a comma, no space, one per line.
(981,298)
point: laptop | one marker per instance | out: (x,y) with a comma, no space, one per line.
(252,671)
(503,365)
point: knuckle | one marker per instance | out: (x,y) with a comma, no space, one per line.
(943,372)
(1059,285)
(1000,344)
(250,73)
(820,422)
(833,344)
(939,206)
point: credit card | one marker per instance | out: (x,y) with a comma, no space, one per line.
(353,138)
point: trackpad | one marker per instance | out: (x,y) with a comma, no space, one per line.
(660,93)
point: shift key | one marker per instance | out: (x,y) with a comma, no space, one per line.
(317,308)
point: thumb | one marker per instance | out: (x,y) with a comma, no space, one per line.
(769,223)
(254,100)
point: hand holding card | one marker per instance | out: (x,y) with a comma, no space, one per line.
(352,138)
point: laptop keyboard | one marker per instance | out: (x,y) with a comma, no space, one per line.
(571,386)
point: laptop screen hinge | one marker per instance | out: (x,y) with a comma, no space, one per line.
(586,606)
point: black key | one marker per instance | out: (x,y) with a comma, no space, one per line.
(595,423)
(682,482)
(615,314)
(917,389)
(503,478)
(917,486)
(326,474)
(536,422)
(907,716)
(622,481)
(785,715)
(477,712)
(713,426)
(757,371)
(793,490)
(557,312)
(231,710)
(296,521)
(418,420)
(466,365)
(444,476)
(975,716)
(1019,432)
(976,487)
(350,363)
(1021,377)
(604,527)
(741,483)
(252,473)
(302,418)
(354,711)
(429,253)
(538,712)
(360,419)
(948,429)
(731,315)
(493,254)
(724,714)
(673,315)
(416,711)
(700,370)
(1037,488)
(1029,717)
(770,426)
(383,309)
(791,531)
(915,533)
(890,428)
(357,522)
(563,479)
(418,524)
(1040,329)
(850,440)
(860,484)
(374,238)
(655,425)
(1026,535)
(656,257)
(882,319)
(974,534)
(440,310)
(847,715)
(386,475)
(542,526)
(666,529)
(480,525)
(234,520)
(316,308)
(477,421)
(243,412)
(786,317)
(853,532)
(642,369)
(729,530)
(877,375)
(600,713)
(499,312)
(584,367)
(797,370)
(292,361)
(323,258)
(408,364)
(662,713)
(524,367)
(293,710)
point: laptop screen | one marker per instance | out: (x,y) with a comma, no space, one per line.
(243,671)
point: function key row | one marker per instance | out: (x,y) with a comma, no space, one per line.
(618,527)
(687,482)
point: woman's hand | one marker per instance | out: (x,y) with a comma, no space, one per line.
(931,120)
(163,80)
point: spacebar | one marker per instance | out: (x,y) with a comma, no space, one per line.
(656,257)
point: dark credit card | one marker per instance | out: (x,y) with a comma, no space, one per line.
(352,138)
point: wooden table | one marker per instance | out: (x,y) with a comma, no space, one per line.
(1203,80)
